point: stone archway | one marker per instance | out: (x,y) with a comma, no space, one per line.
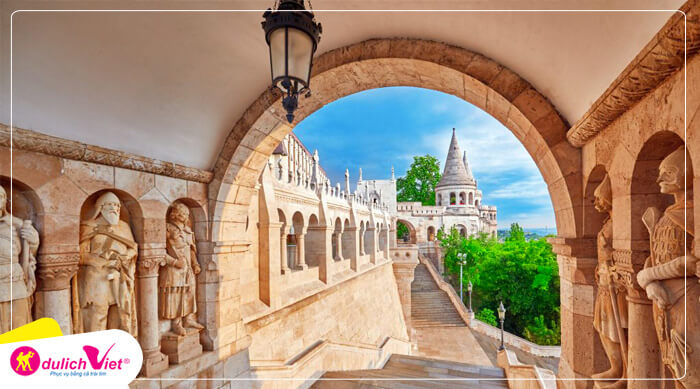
(404,62)
(396,62)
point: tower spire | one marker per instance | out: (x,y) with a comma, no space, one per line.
(456,172)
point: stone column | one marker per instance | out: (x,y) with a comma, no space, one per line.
(53,296)
(387,237)
(269,268)
(147,265)
(321,251)
(361,240)
(581,350)
(283,249)
(404,268)
(372,244)
(218,297)
(352,241)
(339,245)
(643,352)
(300,258)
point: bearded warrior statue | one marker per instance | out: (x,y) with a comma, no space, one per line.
(177,281)
(103,289)
(610,309)
(670,274)
(19,242)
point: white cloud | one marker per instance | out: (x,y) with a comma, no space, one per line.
(491,148)
(532,187)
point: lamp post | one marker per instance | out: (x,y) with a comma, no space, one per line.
(469,289)
(461,262)
(502,317)
(292,35)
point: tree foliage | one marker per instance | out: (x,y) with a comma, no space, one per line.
(420,181)
(523,274)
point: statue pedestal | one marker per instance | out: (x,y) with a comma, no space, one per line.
(181,348)
(154,362)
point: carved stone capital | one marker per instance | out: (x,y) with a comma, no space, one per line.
(626,265)
(573,247)
(54,271)
(148,266)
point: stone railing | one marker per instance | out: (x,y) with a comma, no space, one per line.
(303,369)
(509,339)
(525,376)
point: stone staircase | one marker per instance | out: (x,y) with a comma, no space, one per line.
(407,372)
(430,306)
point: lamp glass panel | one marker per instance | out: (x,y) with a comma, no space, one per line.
(277,57)
(300,51)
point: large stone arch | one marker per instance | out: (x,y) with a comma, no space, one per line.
(404,62)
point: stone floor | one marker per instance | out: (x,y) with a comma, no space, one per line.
(402,371)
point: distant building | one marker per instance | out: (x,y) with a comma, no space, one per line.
(458,203)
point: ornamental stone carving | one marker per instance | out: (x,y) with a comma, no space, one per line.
(103,289)
(56,270)
(670,274)
(662,57)
(610,309)
(19,242)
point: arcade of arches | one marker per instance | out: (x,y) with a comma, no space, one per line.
(291,276)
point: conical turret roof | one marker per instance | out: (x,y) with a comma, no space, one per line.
(455,172)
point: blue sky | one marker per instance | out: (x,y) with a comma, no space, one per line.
(378,128)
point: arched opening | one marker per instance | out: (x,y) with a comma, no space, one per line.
(649,204)
(462,229)
(431,234)
(476,203)
(463,198)
(471,198)
(405,232)
(514,102)
(439,199)
(530,116)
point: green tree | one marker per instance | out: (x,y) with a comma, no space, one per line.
(521,273)
(487,316)
(420,181)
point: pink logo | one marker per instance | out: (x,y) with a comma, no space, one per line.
(25,361)
(92,353)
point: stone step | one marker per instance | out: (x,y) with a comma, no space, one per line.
(411,372)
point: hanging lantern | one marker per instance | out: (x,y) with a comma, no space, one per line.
(292,35)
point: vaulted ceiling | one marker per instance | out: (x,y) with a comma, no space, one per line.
(171,85)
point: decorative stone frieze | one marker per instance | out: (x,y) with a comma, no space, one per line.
(663,56)
(33,141)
